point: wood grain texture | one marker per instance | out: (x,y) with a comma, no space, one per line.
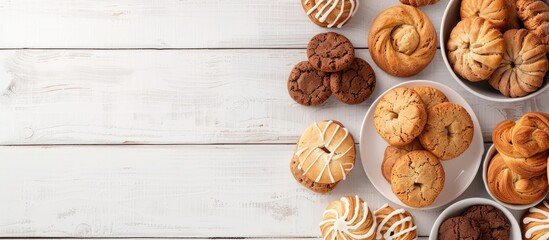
(182,97)
(174,23)
(168,191)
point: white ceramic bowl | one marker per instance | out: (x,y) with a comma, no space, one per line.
(460,172)
(491,152)
(481,89)
(459,207)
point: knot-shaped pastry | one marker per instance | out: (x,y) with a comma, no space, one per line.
(524,64)
(509,187)
(535,16)
(495,11)
(502,138)
(475,49)
(395,224)
(326,152)
(527,166)
(348,218)
(402,40)
(530,135)
(418,3)
(535,223)
(330,13)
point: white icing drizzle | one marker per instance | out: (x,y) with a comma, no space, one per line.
(387,235)
(324,12)
(340,225)
(534,229)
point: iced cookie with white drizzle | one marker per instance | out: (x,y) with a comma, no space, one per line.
(535,222)
(326,152)
(394,224)
(330,13)
(348,218)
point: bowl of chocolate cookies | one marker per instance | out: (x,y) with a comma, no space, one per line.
(475,218)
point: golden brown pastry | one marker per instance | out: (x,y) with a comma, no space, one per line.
(502,139)
(395,224)
(509,187)
(524,64)
(402,40)
(328,13)
(392,154)
(527,166)
(535,17)
(475,49)
(494,11)
(418,3)
(348,218)
(530,135)
(535,222)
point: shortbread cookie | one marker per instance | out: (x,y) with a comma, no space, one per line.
(330,52)
(330,13)
(430,96)
(495,11)
(348,218)
(417,179)
(310,184)
(400,116)
(448,132)
(392,154)
(308,86)
(355,84)
(397,224)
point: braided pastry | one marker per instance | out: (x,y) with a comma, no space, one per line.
(418,3)
(475,49)
(527,167)
(531,133)
(348,218)
(524,64)
(509,187)
(535,16)
(395,224)
(494,11)
(502,138)
(535,223)
(402,40)
(329,13)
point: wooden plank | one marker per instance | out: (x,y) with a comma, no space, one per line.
(174,23)
(157,97)
(168,191)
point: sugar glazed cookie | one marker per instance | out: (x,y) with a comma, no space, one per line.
(535,222)
(392,154)
(330,13)
(355,84)
(310,184)
(308,86)
(397,224)
(400,116)
(330,52)
(348,218)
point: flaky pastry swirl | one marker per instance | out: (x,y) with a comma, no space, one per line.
(495,11)
(527,166)
(535,16)
(348,218)
(530,135)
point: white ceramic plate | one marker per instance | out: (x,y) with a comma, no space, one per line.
(458,208)
(460,171)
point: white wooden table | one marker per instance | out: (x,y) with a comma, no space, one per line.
(171,118)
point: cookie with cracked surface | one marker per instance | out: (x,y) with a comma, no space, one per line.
(308,86)
(330,52)
(492,222)
(392,154)
(417,178)
(400,116)
(355,84)
(448,132)
(308,183)
(430,96)
(459,228)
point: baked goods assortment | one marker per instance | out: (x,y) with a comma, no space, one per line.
(332,68)
(535,222)
(328,13)
(488,44)
(477,222)
(421,128)
(402,41)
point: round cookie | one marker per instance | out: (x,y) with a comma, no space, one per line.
(330,52)
(308,183)
(459,228)
(308,86)
(448,132)
(392,154)
(417,179)
(400,116)
(430,96)
(355,84)
(492,222)
(330,13)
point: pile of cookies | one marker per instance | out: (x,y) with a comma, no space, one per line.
(421,127)
(517,173)
(351,218)
(489,44)
(477,222)
(535,222)
(332,68)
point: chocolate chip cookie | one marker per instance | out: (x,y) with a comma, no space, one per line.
(355,84)
(308,86)
(330,52)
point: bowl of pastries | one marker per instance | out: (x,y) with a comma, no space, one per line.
(497,49)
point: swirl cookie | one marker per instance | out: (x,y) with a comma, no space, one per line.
(494,11)
(355,84)
(348,218)
(397,224)
(392,154)
(535,222)
(402,41)
(330,52)
(400,116)
(308,86)
(417,179)
(330,13)
(448,132)
(430,96)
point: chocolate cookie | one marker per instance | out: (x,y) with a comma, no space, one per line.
(459,228)
(310,184)
(354,84)
(308,86)
(330,52)
(492,221)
